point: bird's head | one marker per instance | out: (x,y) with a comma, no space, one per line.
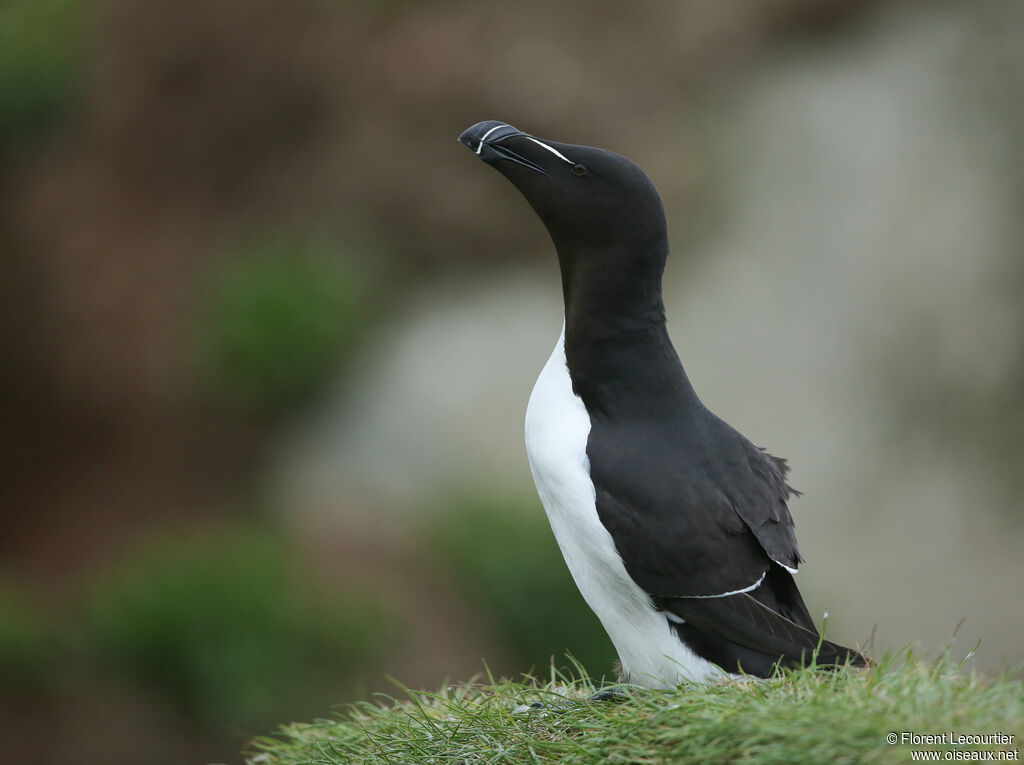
(596,205)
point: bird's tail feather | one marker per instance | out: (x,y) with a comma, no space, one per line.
(741,632)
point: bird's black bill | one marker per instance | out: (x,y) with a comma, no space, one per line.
(486,140)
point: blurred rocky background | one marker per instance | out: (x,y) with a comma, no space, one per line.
(268,332)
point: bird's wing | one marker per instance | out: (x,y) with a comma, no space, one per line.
(711,541)
(697,518)
(753,631)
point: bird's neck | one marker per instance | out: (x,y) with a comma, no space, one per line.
(619,281)
(616,342)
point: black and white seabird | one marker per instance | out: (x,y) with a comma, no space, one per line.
(674,526)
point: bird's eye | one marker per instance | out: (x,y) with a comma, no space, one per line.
(578,169)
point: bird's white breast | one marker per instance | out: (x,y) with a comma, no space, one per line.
(557,429)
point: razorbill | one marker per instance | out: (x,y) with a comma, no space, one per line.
(674,526)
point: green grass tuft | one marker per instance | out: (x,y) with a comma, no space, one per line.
(807,716)
(42,46)
(280,316)
(231,628)
(28,642)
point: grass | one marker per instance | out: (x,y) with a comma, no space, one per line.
(42,44)
(27,643)
(280,316)
(231,628)
(806,716)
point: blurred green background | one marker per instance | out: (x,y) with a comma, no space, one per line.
(268,332)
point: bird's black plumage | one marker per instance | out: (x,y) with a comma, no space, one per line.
(698,514)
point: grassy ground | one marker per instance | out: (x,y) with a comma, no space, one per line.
(799,717)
